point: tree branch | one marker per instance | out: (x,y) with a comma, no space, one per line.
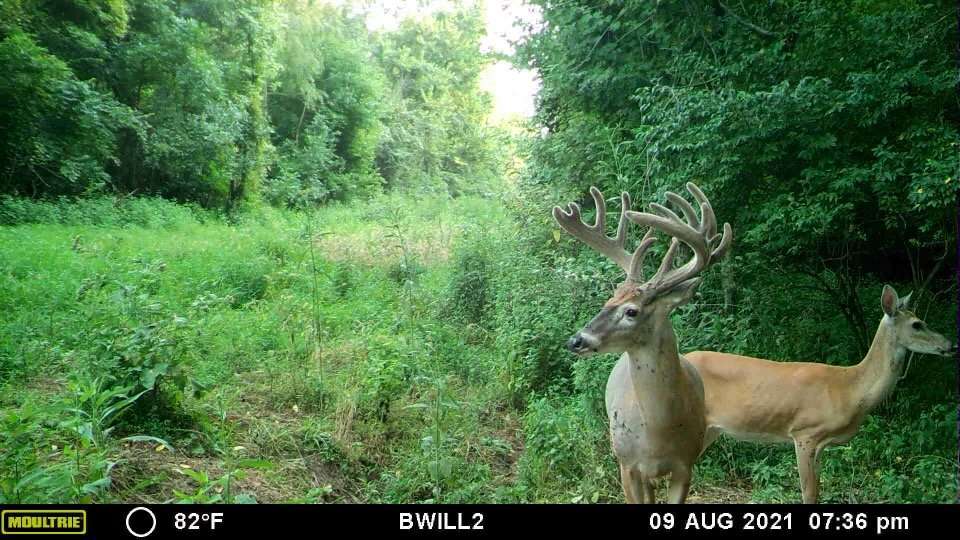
(744,22)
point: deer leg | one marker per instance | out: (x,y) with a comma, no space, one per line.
(808,465)
(679,486)
(646,487)
(630,480)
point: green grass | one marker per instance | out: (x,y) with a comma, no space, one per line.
(311,346)
(394,350)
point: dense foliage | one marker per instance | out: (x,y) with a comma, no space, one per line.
(825,132)
(433,138)
(348,343)
(219,102)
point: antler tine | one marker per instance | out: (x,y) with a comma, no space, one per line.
(600,223)
(685,207)
(636,262)
(710,224)
(667,262)
(624,222)
(725,242)
(595,235)
(698,234)
(601,206)
(665,212)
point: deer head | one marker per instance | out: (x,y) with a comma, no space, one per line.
(639,308)
(910,332)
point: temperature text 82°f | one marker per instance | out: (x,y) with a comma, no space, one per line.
(195,521)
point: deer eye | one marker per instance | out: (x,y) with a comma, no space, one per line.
(631,312)
(917,325)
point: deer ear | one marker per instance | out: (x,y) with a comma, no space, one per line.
(889,300)
(682,293)
(904,302)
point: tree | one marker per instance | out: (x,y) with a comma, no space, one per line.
(436,133)
(325,107)
(826,134)
(58,132)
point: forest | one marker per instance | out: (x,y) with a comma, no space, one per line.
(264,251)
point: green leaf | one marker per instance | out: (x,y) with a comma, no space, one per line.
(148,377)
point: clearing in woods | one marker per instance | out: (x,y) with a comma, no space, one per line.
(282,412)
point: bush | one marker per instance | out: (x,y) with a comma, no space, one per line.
(565,453)
(344,279)
(149,212)
(384,377)
(538,305)
(470,294)
(245,281)
(58,132)
(35,472)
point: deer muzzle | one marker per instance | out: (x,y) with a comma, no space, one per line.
(582,343)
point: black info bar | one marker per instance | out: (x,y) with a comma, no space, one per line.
(483,520)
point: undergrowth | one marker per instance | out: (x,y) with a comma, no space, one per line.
(394,350)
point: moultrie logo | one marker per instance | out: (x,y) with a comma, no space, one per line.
(43,522)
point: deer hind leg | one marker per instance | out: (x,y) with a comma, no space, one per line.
(679,485)
(808,465)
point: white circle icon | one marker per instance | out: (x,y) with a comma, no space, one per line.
(152,517)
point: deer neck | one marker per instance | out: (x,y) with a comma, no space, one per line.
(877,374)
(655,373)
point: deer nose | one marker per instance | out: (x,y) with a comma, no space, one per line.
(575,343)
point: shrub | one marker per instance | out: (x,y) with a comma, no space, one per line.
(384,377)
(245,280)
(565,453)
(470,291)
(344,279)
(538,306)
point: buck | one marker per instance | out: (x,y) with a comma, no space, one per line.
(654,398)
(811,404)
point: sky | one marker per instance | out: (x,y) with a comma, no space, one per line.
(513,90)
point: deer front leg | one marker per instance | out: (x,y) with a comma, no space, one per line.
(646,486)
(808,465)
(679,486)
(643,487)
(630,480)
(637,488)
